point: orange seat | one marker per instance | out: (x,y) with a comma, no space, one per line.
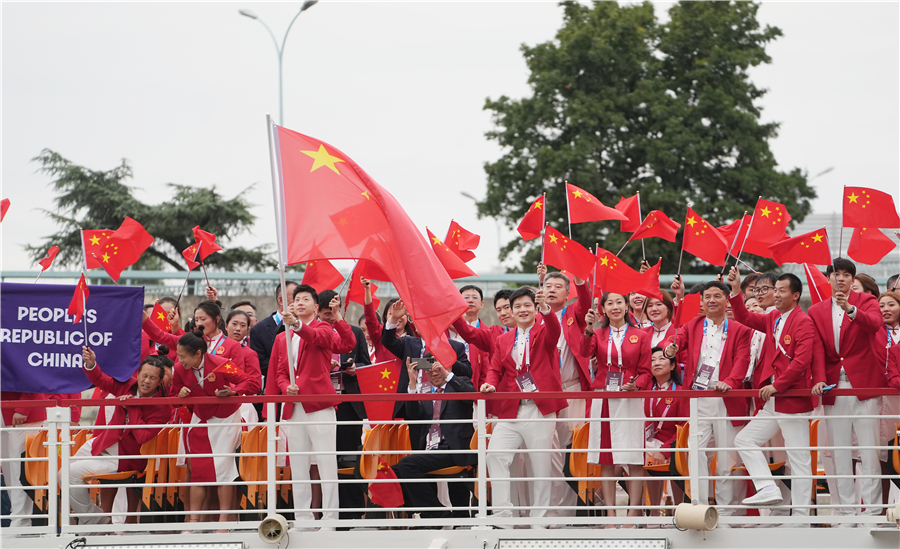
(579,466)
(36,472)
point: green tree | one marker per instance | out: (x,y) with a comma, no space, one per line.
(621,103)
(89,199)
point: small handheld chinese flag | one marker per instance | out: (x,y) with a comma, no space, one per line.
(689,307)
(159,317)
(4,207)
(190,255)
(47,261)
(461,242)
(657,224)
(767,227)
(869,245)
(79,300)
(379,378)
(229,367)
(734,233)
(451,262)
(563,253)
(322,275)
(93,241)
(631,207)
(585,207)
(209,242)
(533,222)
(703,240)
(811,247)
(819,287)
(356,292)
(385,494)
(124,248)
(614,275)
(864,207)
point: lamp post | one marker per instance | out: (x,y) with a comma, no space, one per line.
(280,49)
(497,223)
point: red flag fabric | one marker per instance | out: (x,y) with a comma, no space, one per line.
(818,286)
(461,242)
(79,300)
(689,307)
(573,293)
(94,241)
(631,207)
(229,367)
(585,207)
(322,275)
(356,292)
(614,275)
(124,247)
(379,378)
(454,265)
(385,494)
(47,261)
(656,224)
(768,226)
(703,240)
(734,233)
(869,245)
(190,255)
(567,254)
(4,207)
(159,317)
(864,207)
(339,212)
(533,222)
(209,242)
(811,247)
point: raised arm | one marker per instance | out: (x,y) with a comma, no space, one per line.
(478,337)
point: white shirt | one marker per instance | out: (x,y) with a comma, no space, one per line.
(522,341)
(419,385)
(568,366)
(837,318)
(755,348)
(658,334)
(712,343)
(198,372)
(895,334)
(780,327)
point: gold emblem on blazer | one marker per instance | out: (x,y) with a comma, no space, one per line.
(212,377)
(787,339)
(633,339)
(570,321)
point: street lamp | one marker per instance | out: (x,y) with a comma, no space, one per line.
(280,49)
(496,222)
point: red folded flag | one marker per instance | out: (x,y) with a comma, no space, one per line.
(689,307)
(356,292)
(767,226)
(379,378)
(573,293)
(338,211)
(864,207)
(159,317)
(322,275)
(703,240)
(461,242)
(614,275)
(631,207)
(4,207)
(656,224)
(585,207)
(734,233)
(124,248)
(47,261)
(229,367)
(93,241)
(818,286)
(869,245)
(533,222)
(385,494)
(209,242)
(454,265)
(190,255)
(563,253)
(79,300)
(811,247)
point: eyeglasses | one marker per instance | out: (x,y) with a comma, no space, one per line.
(762,289)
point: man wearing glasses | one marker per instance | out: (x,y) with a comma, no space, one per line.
(764,291)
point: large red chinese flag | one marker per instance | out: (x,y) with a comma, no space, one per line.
(703,240)
(768,226)
(322,275)
(385,494)
(47,261)
(159,317)
(869,245)
(4,207)
(79,300)
(356,292)
(563,253)
(461,242)
(209,246)
(631,207)
(656,224)
(614,275)
(818,286)
(124,247)
(584,207)
(377,379)
(93,241)
(864,207)
(533,221)
(454,265)
(811,247)
(338,212)
(689,307)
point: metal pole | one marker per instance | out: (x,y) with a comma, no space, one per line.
(481,410)
(271,446)
(694,453)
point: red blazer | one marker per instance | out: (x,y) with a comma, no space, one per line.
(244,385)
(635,356)
(147,344)
(318,341)
(893,367)
(678,407)
(573,329)
(228,348)
(251,364)
(669,336)
(374,327)
(733,366)
(798,339)
(864,368)
(32,415)
(544,368)
(129,440)
(482,340)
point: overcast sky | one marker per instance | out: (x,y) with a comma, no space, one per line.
(181,90)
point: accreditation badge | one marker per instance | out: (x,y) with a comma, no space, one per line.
(613,381)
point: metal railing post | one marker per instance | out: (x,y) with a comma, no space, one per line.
(65,445)
(55,416)
(481,410)
(271,446)
(694,451)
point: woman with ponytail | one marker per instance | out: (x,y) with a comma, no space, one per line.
(208,317)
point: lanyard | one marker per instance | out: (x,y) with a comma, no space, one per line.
(778,343)
(705,347)
(213,345)
(526,362)
(609,345)
(668,406)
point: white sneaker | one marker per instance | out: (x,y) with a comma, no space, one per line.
(766,497)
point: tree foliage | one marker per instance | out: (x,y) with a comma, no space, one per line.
(89,199)
(622,103)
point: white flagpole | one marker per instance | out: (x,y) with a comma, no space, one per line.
(737,233)
(84,316)
(749,228)
(643,251)
(280,231)
(568,210)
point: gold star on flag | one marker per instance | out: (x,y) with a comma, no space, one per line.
(436,240)
(365,193)
(853,198)
(765,211)
(161,316)
(576,194)
(95,240)
(538,204)
(553,238)
(386,374)
(604,261)
(691,221)
(105,258)
(322,158)
(817,237)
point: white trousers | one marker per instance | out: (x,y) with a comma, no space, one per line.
(12,444)
(509,435)
(303,436)
(840,433)
(562,494)
(79,493)
(795,429)
(723,433)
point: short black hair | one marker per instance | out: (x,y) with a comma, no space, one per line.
(236,312)
(795,284)
(502,294)
(325,299)
(748,280)
(716,284)
(193,341)
(891,282)
(362,318)
(557,274)
(242,304)
(148,306)
(841,264)
(696,288)
(306,288)
(767,276)
(524,291)
(472,287)
(278,288)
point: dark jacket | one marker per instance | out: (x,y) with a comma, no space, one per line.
(262,337)
(454,436)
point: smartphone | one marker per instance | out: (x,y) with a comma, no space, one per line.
(827,388)
(423,363)
(346,364)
